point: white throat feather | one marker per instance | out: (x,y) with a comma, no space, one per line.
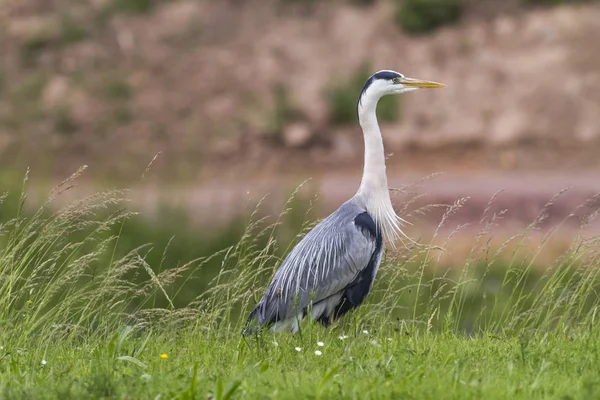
(373,190)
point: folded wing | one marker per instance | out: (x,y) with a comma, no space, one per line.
(339,253)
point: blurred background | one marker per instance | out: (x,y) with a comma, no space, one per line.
(244,99)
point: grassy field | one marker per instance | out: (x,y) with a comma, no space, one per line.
(87,312)
(384,363)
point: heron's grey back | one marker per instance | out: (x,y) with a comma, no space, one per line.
(322,264)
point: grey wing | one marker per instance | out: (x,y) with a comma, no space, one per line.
(326,261)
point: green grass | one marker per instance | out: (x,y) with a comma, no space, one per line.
(425,16)
(219,365)
(30,88)
(63,122)
(72,31)
(133,6)
(363,2)
(25,100)
(32,47)
(86,311)
(284,111)
(116,88)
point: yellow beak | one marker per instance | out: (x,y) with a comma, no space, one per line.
(417,83)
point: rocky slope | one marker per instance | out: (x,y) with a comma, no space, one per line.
(84,83)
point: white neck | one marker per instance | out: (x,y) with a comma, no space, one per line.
(374,177)
(373,187)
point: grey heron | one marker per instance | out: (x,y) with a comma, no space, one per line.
(332,269)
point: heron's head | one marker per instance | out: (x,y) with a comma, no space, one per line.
(387,82)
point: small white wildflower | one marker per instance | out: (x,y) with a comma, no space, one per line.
(275,343)
(298,349)
(342,337)
(389,339)
(366,332)
(44,362)
(1,347)
(318,352)
(320,344)
(146,377)
(351,358)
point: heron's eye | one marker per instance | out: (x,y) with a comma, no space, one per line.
(397,81)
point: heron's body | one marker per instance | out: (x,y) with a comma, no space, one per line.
(332,269)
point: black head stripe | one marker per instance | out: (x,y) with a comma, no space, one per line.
(386,75)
